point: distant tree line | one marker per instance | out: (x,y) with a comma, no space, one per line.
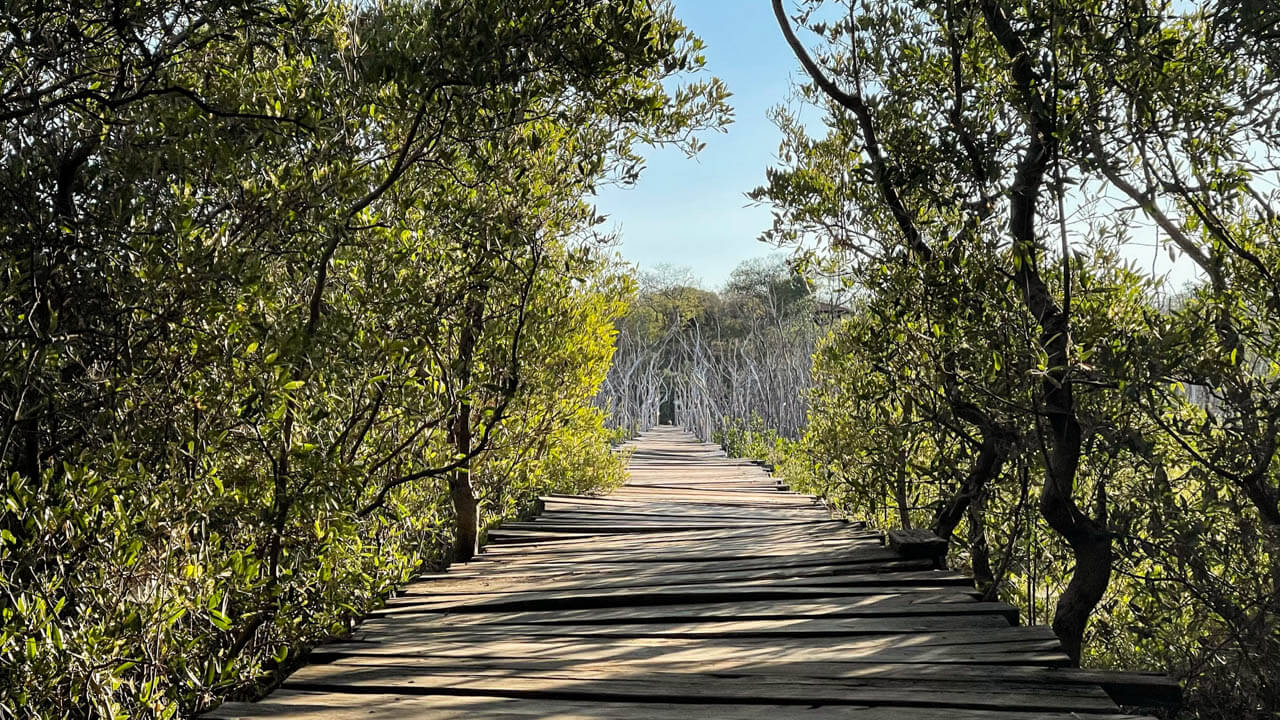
(708,361)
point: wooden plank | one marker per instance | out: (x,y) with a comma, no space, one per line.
(868,606)
(621,535)
(436,629)
(624,597)
(668,549)
(986,646)
(1139,689)
(828,575)
(302,705)
(721,540)
(826,553)
(550,575)
(879,561)
(915,672)
(1125,688)
(917,543)
(673,687)
(617,523)
(695,509)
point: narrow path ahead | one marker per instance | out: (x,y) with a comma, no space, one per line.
(698,590)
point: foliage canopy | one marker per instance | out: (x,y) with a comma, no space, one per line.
(295,296)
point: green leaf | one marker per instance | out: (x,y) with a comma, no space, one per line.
(219,620)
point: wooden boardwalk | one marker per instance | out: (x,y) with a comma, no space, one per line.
(698,590)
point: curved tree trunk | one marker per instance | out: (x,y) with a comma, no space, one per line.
(1088,537)
(986,466)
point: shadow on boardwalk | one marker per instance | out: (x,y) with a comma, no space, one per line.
(697,590)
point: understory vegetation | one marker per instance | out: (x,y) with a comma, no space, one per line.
(297,298)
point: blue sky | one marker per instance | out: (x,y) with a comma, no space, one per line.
(693,212)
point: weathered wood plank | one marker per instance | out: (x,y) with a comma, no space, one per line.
(915,648)
(442,627)
(901,605)
(624,597)
(827,552)
(301,705)
(549,576)
(672,687)
(974,674)
(917,543)
(878,561)
(826,575)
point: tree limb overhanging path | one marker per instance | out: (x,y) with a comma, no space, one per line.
(699,589)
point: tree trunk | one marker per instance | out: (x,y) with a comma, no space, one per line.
(986,466)
(979,549)
(467,541)
(900,489)
(1089,539)
(1089,581)
(461,490)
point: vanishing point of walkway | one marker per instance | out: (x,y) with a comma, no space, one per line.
(699,590)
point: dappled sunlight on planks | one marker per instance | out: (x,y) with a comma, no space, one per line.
(699,587)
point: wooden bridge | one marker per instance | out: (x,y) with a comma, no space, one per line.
(698,590)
